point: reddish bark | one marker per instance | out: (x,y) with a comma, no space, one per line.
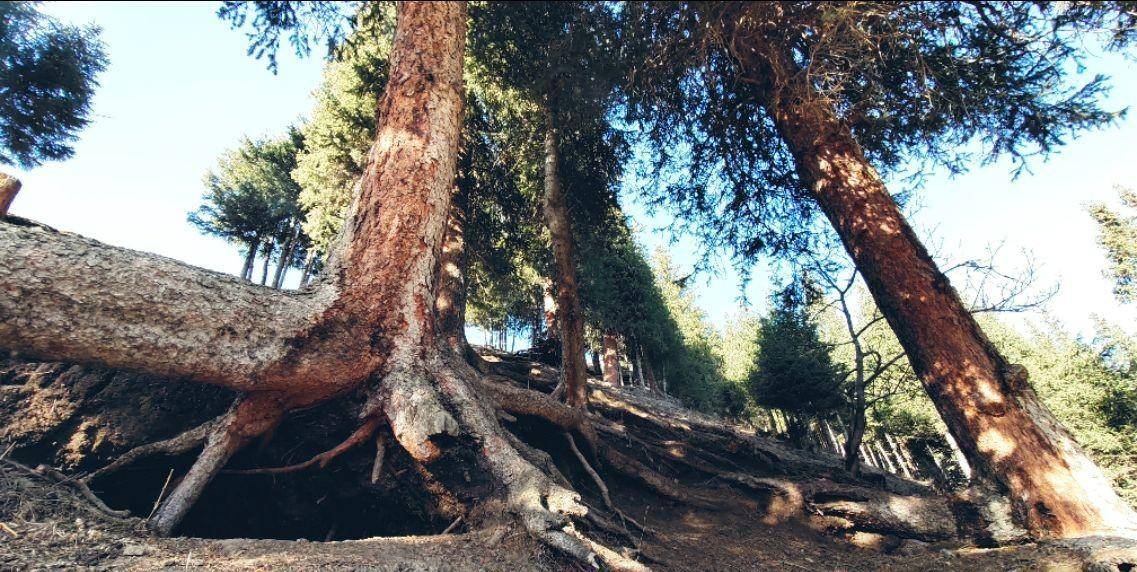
(987,404)
(450,303)
(612,358)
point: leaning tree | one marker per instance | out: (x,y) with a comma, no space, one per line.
(764,113)
(367,330)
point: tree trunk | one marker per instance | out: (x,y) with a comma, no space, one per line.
(270,247)
(885,458)
(450,304)
(996,417)
(9,187)
(549,310)
(596,360)
(832,437)
(250,258)
(307,274)
(649,375)
(855,436)
(638,363)
(286,257)
(569,316)
(959,457)
(612,374)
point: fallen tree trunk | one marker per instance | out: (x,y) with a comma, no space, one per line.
(368,331)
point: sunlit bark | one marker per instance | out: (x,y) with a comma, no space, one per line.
(987,403)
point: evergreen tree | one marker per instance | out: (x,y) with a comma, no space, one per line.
(762,114)
(47,83)
(252,200)
(793,370)
(1117,235)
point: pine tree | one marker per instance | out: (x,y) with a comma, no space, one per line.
(764,115)
(1117,235)
(47,85)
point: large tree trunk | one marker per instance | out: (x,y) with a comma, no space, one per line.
(367,333)
(611,344)
(569,316)
(1004,428)
(450,304)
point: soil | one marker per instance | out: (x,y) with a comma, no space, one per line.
(47,524)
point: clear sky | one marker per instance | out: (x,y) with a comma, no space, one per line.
(180,90)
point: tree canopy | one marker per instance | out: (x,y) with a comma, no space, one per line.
(48,76)
(919,84)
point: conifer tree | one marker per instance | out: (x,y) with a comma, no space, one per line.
(47,85)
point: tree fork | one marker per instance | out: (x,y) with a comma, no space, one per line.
(369,324)
(248,418)
(987,404)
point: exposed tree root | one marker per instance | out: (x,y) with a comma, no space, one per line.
(361,435)
(445,415)
(176,445)
(591,472)
(60,478)
(249,418)
(380,452)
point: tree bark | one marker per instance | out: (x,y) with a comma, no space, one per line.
(286,257)
(856,434)
(368,331)
(611,372)
(450,304)
(9,187)
(569,316)
(638,364)
(269,248)
(1002,426)
(649,375)
(250,258)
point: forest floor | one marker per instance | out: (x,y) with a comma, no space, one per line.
(47,524)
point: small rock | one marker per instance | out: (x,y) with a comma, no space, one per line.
(134,550)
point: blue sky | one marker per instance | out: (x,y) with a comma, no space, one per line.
(180,90)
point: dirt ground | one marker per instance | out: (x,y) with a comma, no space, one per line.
(47,524)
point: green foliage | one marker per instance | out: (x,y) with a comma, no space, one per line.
(691,366)
(918,83)
(303,23)
(343,125)
(47,83)
(250,197)
(741,339)
(1117,235)
(793,370)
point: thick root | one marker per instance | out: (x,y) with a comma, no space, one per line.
(591,472)
(418,401)
(248,418)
